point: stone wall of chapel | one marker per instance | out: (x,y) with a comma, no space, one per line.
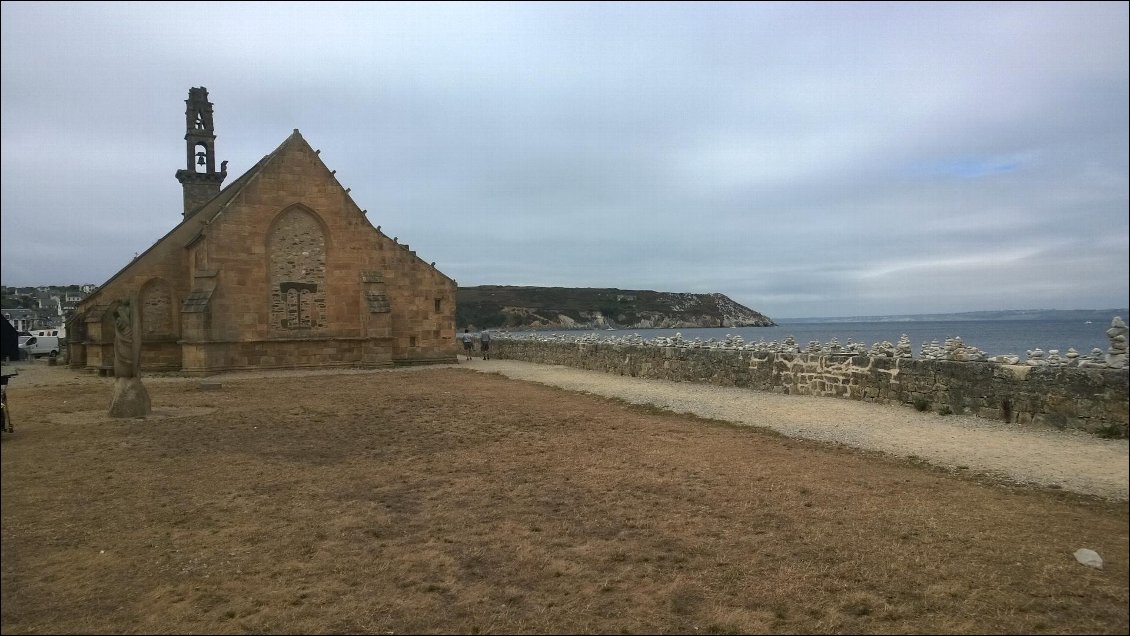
(167,262)
(422,303)
(158,311)
(160,278)
(365,298)
(293,221)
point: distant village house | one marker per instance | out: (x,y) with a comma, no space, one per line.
(24,320)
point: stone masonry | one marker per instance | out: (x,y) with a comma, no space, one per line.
(1088,399)
(280,269)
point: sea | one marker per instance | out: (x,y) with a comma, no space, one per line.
(994,337)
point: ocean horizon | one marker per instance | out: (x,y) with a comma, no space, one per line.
(994,337)
(1082,315)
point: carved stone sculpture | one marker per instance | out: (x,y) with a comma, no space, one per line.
(130,397)
(125,363)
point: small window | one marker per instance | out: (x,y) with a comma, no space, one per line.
(411,341)
(439,305)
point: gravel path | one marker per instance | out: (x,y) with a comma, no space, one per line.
(1071,460)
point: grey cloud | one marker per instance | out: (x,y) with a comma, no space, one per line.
(802,158)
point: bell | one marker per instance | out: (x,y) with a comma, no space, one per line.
(200,158)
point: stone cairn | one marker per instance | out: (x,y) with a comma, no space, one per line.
(1056,360)
(953,349)
(931,351)
(1095,360)
(1116,355)
(903,349)
(959,351)
(882,349)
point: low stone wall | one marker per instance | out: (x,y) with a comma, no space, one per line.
(1088,399)
(211,357)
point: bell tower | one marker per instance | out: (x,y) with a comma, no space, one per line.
(199,178)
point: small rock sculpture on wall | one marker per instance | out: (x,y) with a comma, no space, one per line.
(1116,355)
(904,349)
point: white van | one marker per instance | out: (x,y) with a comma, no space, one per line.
(36,346)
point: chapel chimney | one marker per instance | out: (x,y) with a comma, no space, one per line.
(199,178)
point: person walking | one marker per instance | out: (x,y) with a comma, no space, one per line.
(468,342)
(484,344)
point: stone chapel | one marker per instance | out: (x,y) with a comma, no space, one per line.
(280,269)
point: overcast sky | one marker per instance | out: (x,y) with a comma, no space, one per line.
(804,159)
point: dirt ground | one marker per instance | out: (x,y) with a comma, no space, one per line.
(445,500)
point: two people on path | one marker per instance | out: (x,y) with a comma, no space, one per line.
(469,343)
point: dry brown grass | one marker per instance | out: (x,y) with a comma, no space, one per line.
(447,501)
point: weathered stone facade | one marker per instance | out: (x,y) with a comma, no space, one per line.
(280,269)
(1088,399)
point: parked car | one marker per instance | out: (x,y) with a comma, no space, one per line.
(36,346)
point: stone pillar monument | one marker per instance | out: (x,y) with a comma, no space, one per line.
(1116,355)
(130,397)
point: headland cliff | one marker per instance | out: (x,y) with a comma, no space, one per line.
(538,308)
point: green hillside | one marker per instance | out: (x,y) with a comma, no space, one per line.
(498,306)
